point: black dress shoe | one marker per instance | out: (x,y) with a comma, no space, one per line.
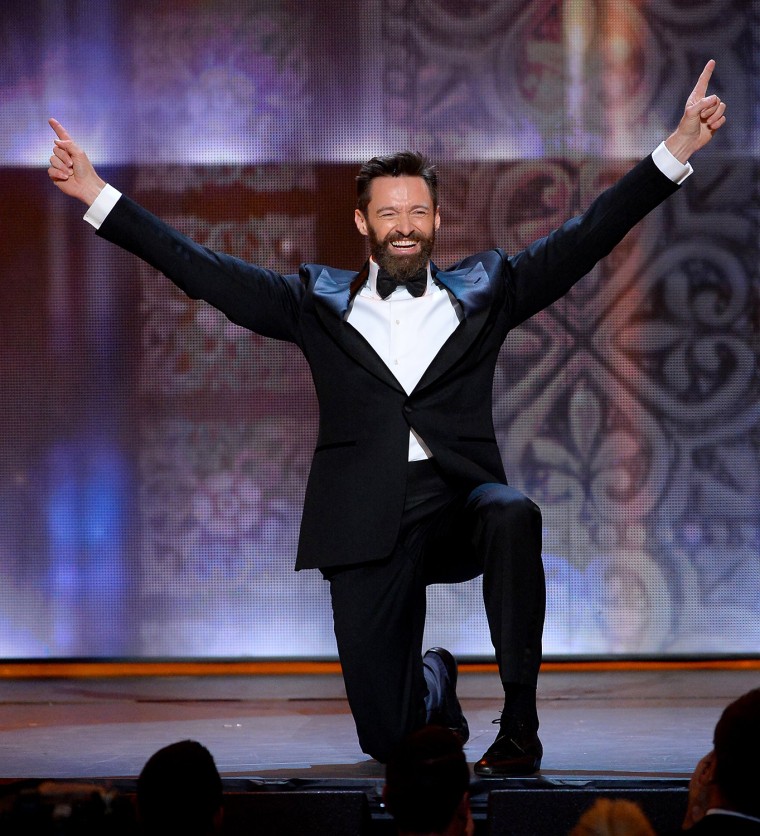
(446,711)
(514,752)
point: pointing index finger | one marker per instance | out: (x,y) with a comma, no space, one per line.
(60,131)
(700,89)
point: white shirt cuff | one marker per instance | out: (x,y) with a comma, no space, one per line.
(672,168)
(102,205)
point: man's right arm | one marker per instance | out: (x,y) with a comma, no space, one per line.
(258,299)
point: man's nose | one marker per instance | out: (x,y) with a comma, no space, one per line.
(405,225)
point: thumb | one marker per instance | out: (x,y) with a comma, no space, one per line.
(76,156)
(700,104)
(67,145)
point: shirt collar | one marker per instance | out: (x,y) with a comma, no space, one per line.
(371,282)
(721,811)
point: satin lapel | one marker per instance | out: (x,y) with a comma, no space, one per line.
(473,291)
(471,286)
(332,295)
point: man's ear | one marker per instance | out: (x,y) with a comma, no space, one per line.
(705,769)
(702,791)
(360,221)
(437,217)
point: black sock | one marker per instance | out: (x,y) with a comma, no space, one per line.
(520,707)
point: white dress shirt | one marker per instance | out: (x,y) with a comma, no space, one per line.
(406,332)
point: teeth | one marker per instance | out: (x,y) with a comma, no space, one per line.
(403,244)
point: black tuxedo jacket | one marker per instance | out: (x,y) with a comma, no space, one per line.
(355,492)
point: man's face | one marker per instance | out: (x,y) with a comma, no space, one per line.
(400,223)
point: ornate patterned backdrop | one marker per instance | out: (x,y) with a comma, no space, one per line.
(153,455)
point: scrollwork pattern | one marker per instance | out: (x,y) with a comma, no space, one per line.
(630,410)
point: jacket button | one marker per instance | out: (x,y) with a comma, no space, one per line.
(407,409)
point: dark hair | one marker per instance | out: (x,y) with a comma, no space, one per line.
(179,790)
(736,742)
(402,164)
(425,780)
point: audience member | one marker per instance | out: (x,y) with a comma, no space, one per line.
(179,792)
(724,791)
(427,784)
(57,808)
(613,817)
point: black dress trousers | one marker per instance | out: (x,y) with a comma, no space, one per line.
(447,535)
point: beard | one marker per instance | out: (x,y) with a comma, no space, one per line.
(397,264)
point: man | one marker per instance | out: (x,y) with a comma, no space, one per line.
(724,791)
(179,790)
(427,785)
(407,486)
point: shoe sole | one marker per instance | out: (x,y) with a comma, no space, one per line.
(517,772)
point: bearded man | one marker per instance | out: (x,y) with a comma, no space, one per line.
(407,486)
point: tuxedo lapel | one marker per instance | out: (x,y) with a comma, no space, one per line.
(471,288)
(332,297)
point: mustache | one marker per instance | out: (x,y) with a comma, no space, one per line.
(397,236)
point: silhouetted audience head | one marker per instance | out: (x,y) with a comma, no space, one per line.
(613,817)
(728,777)
(736,744)
(179,791)
(427,782)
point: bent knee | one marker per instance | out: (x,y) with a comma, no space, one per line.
(505,502)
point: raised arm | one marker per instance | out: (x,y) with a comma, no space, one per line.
(261,300)
(70,169)
(548,268)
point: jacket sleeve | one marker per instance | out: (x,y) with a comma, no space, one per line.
(258,299)
(550,266)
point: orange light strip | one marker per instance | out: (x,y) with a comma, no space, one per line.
(74,670)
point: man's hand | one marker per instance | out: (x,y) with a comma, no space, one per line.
(70,169)
(702,116)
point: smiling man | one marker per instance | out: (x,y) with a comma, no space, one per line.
(407,486)
(404,216)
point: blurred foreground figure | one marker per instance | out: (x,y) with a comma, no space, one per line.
(60,808)
(180,791)
(613,817)
(724,792)
(427,785)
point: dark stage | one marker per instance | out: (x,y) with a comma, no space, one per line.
(637,733)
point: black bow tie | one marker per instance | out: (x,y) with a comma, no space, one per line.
(416,284)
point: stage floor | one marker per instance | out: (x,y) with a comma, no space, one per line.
(612,726)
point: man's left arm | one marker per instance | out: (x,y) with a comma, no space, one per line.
(548,268)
